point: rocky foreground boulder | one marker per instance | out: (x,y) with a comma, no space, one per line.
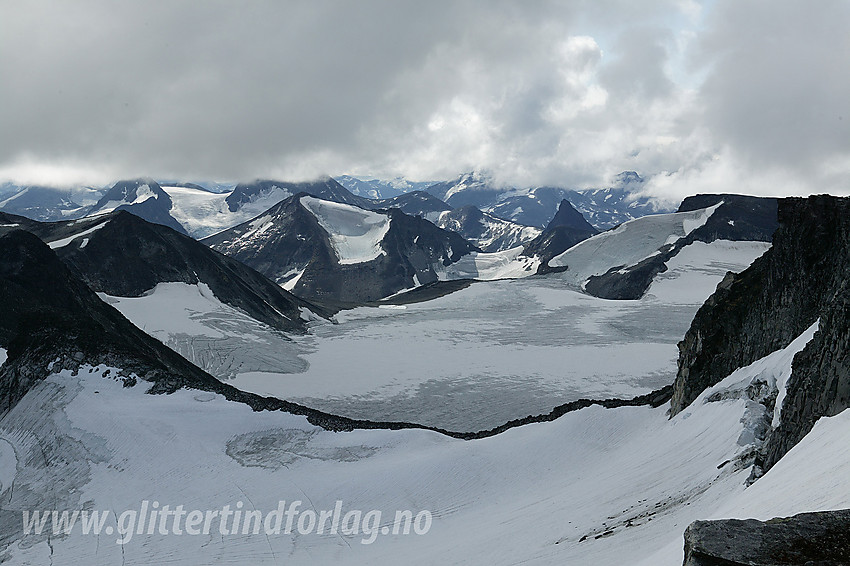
(811,539)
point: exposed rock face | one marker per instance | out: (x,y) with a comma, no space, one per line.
(802,278)
(51,320)
(811,539)
(739,218)
(566,229)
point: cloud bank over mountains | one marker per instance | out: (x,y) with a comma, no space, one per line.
(699,97)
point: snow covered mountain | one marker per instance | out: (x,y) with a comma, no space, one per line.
(142,197)
(122,255)
(565,230)
(416,203)
(52,321)
(272,192)
(381,189)
(47,203)
(487,232)
(473,188)
(604,207)
(337,253)
(622,262)
(732,218)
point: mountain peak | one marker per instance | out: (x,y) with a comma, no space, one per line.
(568,216)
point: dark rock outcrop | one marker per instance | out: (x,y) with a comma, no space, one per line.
(802,278)
(566,229)
(740,218)
(810,539)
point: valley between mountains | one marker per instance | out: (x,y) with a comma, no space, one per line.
(556,376)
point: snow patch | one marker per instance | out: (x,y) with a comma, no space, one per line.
(356,234)
(782,378)
(309,316)
(65,241)
(692,274)
(289,284)
(171,308)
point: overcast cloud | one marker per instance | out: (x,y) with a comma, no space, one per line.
(716,96)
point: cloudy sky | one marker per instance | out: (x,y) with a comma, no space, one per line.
(743,96)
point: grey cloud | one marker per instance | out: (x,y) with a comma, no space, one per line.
(639,69)
(778,89)
(537,92)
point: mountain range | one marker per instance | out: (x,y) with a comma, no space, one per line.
(757,387)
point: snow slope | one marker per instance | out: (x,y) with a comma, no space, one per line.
(597,486)
(693,274)
(217,337)
(507,264)
(627,244)
(203,213)
(356,234)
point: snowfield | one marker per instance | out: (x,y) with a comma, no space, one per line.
(691,275)
(507,264)
(356,234)
(468,361)
(597,486)
(223,340)
(203,213)
(628,243)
